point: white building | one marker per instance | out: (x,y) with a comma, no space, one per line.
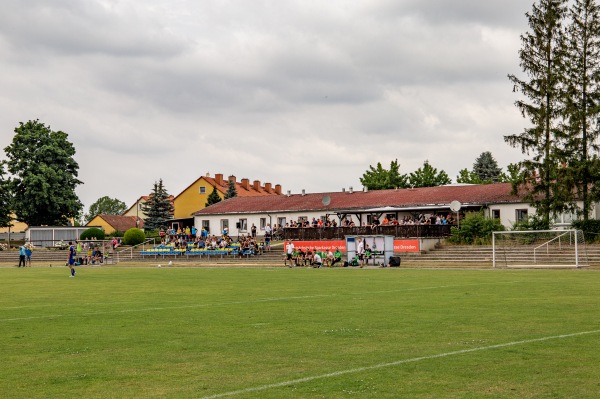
(362,207)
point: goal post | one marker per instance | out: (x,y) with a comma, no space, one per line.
(538,248)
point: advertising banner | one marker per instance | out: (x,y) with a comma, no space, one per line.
(399,245)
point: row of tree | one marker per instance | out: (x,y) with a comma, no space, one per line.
(485,170)
(560,96)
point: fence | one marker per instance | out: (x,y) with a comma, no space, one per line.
(340,233)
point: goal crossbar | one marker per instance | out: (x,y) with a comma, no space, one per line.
(574,237)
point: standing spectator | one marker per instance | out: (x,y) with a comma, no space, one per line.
(289,253)
(253,230)
(22,256)
(28,254)
(267,241)
(360,251)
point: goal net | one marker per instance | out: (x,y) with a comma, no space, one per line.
(539,248)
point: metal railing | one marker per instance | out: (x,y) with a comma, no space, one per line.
(339,233)
(127,253)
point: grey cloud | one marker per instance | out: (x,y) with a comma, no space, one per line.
(72,28)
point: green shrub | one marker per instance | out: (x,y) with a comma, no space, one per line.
(134,236)
(535,222)
(92,233)
(590,228)
(475,228)
(117,233)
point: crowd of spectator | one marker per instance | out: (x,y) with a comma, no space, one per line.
(191,238)
(421,219)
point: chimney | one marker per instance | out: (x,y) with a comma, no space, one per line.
(246,184)
(219,178)
(256,185)
(350,190)
(289,193)
(366,189)
(232,177)
(303,192)
(268,188)
(343,189)
(278,189)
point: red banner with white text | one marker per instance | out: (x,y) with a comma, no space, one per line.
(321,246)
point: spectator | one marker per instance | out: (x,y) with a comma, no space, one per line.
(22,256)
(316,262)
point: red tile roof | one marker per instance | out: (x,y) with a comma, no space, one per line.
(121,223)
(241,191)
(401,198)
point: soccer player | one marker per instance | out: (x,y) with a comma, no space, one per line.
(71,259)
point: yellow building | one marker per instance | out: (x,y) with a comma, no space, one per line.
(112,223)
(17,227)
(194,197)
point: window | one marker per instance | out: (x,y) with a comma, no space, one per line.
(263,223)
(243,223)
(521,214)
(495,213)
(206,225)
(225,225)
(202,190)
(302,219)
(281,222)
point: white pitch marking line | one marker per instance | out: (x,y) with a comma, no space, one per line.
(390,364)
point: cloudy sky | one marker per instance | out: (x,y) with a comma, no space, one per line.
(302,93)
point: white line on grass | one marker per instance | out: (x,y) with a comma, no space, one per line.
(390,364)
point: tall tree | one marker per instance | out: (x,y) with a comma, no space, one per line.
(541,60)
(5,200)
(213,197)
(486,168)
(158,208)
(379,178)
(582,98)
(44,175)
(428,176)
(106,206)
(231,190)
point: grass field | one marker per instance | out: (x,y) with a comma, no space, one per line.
(299,333)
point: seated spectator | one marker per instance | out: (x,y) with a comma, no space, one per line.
(330,258)
(337,256)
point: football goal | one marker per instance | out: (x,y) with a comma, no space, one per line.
(538,248)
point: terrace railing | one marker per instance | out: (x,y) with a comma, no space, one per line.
(340,233)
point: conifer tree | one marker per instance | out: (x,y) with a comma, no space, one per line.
(213,197)
(486,168)
(581,100)
(231,190)
(541,60)
(158,208)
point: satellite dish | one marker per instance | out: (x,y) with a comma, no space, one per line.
(326,200)
(455,206)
